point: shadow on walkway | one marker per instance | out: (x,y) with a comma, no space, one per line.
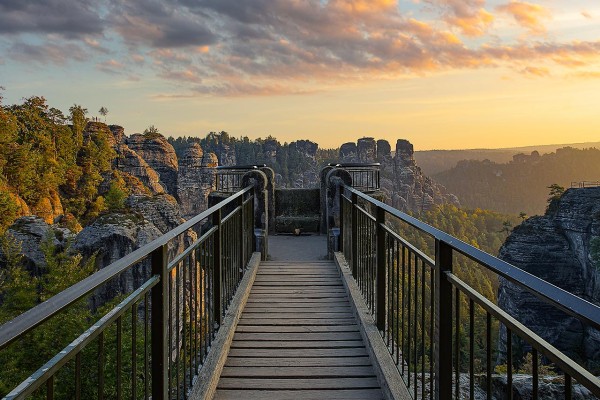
(297,248)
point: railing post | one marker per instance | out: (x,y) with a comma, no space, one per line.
(443,341)
(241,241)
(217,267)
(354,198)
(380,277)
(160,319)
(342,216)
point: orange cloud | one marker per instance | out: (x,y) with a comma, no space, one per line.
(536,71)
(528,15)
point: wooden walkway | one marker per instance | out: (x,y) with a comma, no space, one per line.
(297,339)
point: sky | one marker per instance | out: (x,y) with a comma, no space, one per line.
(444,74)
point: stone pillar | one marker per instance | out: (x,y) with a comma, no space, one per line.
(323,181)
(259,180)
(271,196)
(335,178)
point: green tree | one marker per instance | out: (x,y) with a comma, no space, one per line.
(116,195)
(103,111)
(523,216)
(555,192)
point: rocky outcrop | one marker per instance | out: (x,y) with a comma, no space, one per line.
(367,150)
(402,181)
(118,134)
(114,235)
(196,179)
(30,232)
(305,152)
(132,163)
(159,155)
(348,153)
(556,248)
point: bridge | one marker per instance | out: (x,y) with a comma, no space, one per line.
(355,310)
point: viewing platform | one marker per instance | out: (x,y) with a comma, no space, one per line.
(302,294)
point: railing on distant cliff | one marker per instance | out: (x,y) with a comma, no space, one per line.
(365,176)
(229,178)
(417,302)
(585,184)
(161,332)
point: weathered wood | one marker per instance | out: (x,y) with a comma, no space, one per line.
(357,394)
(298,344)
(288,329)
(297,338)
(286,353)
(298,372)
(298,362)
(296,321)
(289,337)
(296,383)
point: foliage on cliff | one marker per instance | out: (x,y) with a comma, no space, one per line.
(522,184)
(48,165)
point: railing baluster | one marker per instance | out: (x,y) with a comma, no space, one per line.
(217,267)
(354,200)
(119,357)
(381,267)
(443,350)
(159,315)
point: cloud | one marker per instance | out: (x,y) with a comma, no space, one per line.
(47,53)
(160,24)
(469,16)
(587,14)
(536,71)
(528,15)
(111,66)
(65,17)
(271,47)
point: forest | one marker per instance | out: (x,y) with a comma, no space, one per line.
(520,185)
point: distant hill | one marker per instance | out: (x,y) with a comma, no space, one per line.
(435,161)
(521,184)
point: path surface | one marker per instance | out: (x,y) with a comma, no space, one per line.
(297,248)
(297,339)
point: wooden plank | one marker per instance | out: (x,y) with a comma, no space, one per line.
(297,372)
(293,310)
(297,329)
(299,344)
(298,362)
(287,353)
(294,300)
(297,321)
(308,285)
(357,394)
(325,383)
(289,337)
(309,315)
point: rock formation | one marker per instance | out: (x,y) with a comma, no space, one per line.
(556,248)
(132,163)
(196,179)
(305,152)
(160,155)
(402,181)
(30,232)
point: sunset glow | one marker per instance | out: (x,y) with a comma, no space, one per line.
(441,73)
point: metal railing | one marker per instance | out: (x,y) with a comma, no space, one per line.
(365,176)
(418,301)
(158,337)
(229,179)
(585,184)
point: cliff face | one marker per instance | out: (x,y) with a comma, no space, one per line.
(196,179)
(402,181)
(160,156)
(556,248)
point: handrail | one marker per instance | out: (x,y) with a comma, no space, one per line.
(416,304)
(546,291)
(35,316)
(183,303)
